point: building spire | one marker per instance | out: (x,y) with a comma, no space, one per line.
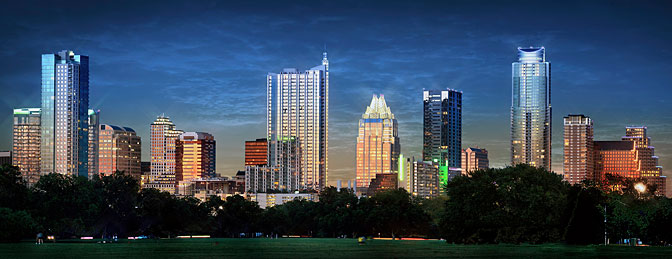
(325,61)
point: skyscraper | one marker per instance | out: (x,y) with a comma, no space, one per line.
(26,143)
(578,162)
(378,144)
(163,136)
(64,120)
(256,152)
(474,159)
(531,109)
(195,158)
(298,106)
(284,175)
(119,150)
(94,124)
(442,126)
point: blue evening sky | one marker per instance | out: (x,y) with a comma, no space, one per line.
(203,63)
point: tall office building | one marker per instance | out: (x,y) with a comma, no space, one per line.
(94,124)
(26,143)
(442,126)
(195,158)
(632,158)
(578,150)
(474,159)
(531,109)
(256,152)
(163,136)
(298,106)
(64,121)
(119,150)
(378,144)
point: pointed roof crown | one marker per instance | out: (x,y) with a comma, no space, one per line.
(378,109)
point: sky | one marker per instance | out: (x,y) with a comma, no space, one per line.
(204,64)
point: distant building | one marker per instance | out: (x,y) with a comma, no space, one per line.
(298,106)
(378,144)
(64,114)
(632,157)
(195,158)
(420,179)
(531,109)
(94,124)
(163,136)
(382,182)
(203,188)
(26,143)
(578,149)
(283,175)
(256,152)
(119,150)
(442,127)
(145,167)
(266,200)
(474,159)
(5,158)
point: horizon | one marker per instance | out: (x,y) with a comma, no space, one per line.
(212,79)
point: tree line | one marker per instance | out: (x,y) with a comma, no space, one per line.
(520,204)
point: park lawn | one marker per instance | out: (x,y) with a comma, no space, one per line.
(312,248)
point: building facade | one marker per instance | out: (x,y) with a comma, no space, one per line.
(163,137)
(378,143)
(474,159)
(284,175)
(119,149)
(382,182)
(442,127)
(531,108)
(578,149)
(94,134)
(256,152)
(298,106)
(64,114)
(266,200)
(26,143)
(195,158)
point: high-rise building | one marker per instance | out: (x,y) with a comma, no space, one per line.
(578,150)
(474,159)
(256,152)
(195,158)
(442,126)
(284,175)
(378,144)
(631,158)
(163,136)
(420,179)
(26,143)
(94,124)
(531,109)
(64,120)
(298,106)
(119,150)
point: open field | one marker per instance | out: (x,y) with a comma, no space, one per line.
(311,248)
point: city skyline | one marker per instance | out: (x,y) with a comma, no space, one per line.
(233,117)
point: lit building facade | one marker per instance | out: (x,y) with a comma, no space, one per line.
(284,175)
(298,106)
(195,158)
(442,127)
(256,152)
(474,159)
(578,149)
(632,157)
(119,149)
(26,143)
(64,119)
(266,200)
(94,124)
(420,179)
(378,144)
(163,137)
(382,182)
(531,109)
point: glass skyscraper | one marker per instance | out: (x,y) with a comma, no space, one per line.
(298,107)
(442,127)
(64,120)
(378,144)
(531,109)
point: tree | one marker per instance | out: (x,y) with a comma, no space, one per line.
(13,192)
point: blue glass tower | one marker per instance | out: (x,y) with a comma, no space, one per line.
(442,123)
(65,105)
(531,108)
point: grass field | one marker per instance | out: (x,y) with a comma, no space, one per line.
(312,248)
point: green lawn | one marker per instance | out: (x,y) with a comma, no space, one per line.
(312,248)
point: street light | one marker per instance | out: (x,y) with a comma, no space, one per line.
(640,187)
